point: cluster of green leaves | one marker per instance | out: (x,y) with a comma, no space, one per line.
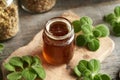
(114,20)
(89,70)
(89,34)
(26,67)
(1,48)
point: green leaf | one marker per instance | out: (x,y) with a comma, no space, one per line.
(94,65)
(86,28)
(114,20)
(36,60)
(9,67)
(97,33)
(97,77)
(86,20)
(93,45)
(117,11)
(16,61)
(110,18)
(80,40)
(86,78)
(77,72)
(83,65)
(40,71)
(1,47)
(27,59)
(116,29)
(89,70)
(117,20)
(103,29)
(14,76)
(28,74)
(105,77)
(77,26)
(89,37)
(87,73)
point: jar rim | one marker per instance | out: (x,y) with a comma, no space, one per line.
(61,19)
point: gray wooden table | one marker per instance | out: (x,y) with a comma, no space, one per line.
(31,24)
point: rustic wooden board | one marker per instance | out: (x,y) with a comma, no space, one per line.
(61,72)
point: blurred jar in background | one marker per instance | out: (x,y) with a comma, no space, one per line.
(37,6)
(8,19)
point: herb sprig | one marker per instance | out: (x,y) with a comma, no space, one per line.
(26,67)
(89,70)
(1,48)
(90,35)
(114,20)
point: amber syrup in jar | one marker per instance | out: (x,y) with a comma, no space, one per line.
(58,41)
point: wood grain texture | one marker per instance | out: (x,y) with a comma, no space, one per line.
(61,72)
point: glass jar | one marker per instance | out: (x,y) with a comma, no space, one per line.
(58,41)
(37,6)
(8,19)
(5,3)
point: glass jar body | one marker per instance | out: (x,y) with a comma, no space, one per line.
(37,6)
(9,21)
(58,51)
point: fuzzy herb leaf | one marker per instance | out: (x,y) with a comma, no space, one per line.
(93,45)
(105,77)
(86,78)
(114,20)
(86,29)
(77,72)
(89,37)
(94,65)
(97,33)
(116,29)
(77,26)
(27,59)
(16,61)
(36,60)
(1,47)
(87,73)
(117,11)
(80,40)
(9,67)
(82,66)
(89,70)
(28,74)
(14,76)
(103,29)
(110,17)
(86,20)
(40,71)
(31,72)
(97,77)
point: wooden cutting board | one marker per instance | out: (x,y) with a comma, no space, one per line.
(63,72)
